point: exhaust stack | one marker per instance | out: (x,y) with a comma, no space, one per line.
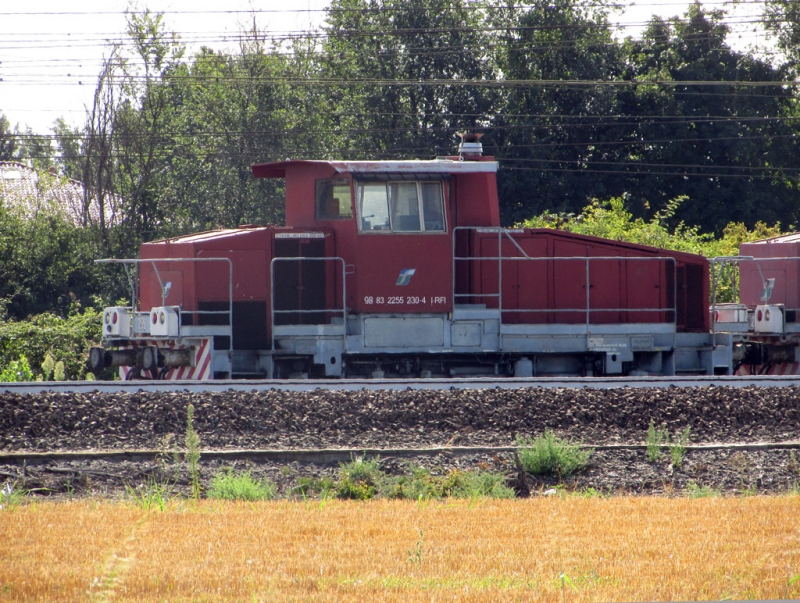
(470,145)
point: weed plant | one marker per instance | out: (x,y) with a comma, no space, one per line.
(192,441)
(11,496)
(548,454)
(415,554)
(310,486)
(228,485)
(677,450)
(656,440)
(152,495)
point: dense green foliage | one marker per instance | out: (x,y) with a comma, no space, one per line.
(65,340)
(46,262)
(611,220)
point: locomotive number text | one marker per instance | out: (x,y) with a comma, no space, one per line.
(409,300)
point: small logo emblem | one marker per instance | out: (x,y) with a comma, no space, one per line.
(405,276)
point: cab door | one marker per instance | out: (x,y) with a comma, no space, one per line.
(404,247)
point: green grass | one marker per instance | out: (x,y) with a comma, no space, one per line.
(696,491)
(548,454)
(228,485)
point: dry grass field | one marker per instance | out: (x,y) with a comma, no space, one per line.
(542,549)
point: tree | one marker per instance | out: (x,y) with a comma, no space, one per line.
(547,132)
(46,261)
(397,68)
(8,140)
(725,145)
(782,19)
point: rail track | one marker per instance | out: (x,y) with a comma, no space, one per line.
(302,385)
(337,455)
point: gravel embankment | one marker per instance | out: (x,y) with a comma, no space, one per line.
(414,418)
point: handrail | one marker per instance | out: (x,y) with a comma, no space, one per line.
(126,263)
(722,261)
(587,309)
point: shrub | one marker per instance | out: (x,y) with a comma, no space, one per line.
(65,340)
(17,370)
(360,479)
(548,454)
(477,484)
(420,484)
(228,485)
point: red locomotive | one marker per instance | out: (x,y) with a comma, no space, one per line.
(401,268)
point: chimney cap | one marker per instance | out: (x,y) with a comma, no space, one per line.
(470,145)
(470,136)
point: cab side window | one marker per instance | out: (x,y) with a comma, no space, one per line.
(400,206)
(333,200)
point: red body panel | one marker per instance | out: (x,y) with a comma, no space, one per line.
(620,291)
(384,277)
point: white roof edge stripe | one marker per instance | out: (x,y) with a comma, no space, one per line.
(421,166)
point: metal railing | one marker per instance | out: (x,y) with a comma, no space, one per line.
(165,288)
(718,265)
(587,310)
(324,309)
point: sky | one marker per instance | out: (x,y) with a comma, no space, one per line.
(51,50)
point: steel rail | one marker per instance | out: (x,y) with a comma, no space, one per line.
(336,455)
(305,385)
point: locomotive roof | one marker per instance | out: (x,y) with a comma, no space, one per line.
(793,237)
(277,169)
